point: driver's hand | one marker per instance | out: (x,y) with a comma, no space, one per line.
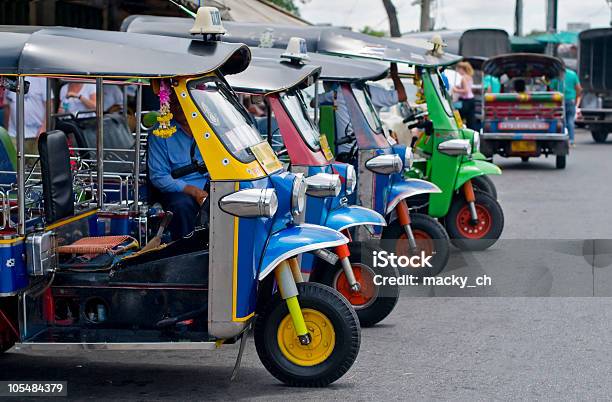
(197,193)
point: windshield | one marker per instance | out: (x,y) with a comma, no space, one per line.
(296,108)
(226,116)
(442,93)
(367,108)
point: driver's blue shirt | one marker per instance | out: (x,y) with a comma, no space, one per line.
(168,154)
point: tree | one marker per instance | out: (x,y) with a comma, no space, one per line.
(394,27)
(368,30)
(288,5)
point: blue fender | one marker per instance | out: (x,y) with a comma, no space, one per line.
(407,188)
(353,215)
(296,240)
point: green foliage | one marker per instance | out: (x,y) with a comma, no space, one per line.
(371,31)
(288,5)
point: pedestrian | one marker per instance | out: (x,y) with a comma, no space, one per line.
(572,94)
(34,112)
(466,96)
(77,97)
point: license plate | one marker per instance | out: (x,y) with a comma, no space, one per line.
(523,146)
(524,125)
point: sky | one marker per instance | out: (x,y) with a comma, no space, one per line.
(455,14)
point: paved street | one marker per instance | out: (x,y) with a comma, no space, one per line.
(464,348)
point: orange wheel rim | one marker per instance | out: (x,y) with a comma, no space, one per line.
(368,292)
(469,230)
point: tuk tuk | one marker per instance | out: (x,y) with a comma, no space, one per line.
(65,283)
(594,60)
(379,164)
(450,152)
(527,119)
(279,77)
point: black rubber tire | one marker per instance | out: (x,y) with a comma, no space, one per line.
(497,222)
(433,228)
(560,161)
(347,331)
(386,297)
(524,158)
(485,184)
(599,136)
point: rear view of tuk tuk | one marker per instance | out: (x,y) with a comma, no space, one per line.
(65,283)
(527,119)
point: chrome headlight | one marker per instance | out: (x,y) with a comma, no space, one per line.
(250,203)
(455,147)
(385,164)
(323,185)
(298,195)
(476,147)
(351,179)
(408,158)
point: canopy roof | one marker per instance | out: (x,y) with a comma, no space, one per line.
(266,75)
(83,52)
(595,59)
(558,37)
(524,65)
(334,68)
(327,40)
(477,42)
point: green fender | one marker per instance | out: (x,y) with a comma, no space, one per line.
(475,168)
(479,156)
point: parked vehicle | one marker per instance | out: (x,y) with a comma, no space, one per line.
(380,186)
(78,287)
(594,60)
(280,76)
(527,119)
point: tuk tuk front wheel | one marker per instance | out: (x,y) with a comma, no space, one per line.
(372,302)
(485,184)
(466,235)
(431,238)
(333,326)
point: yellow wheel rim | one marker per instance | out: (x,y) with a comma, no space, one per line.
(323,339)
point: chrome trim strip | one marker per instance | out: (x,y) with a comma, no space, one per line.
(524,136)
(39,346)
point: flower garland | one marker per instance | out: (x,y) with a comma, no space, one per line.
(165,129)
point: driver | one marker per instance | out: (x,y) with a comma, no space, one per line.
(182,194)
(381,97)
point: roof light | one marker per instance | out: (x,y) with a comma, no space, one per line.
(297,51)
(208,23)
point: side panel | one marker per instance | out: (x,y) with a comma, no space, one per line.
(223,241)
(13,275)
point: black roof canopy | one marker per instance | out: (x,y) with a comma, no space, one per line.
(334,68)
(524,65)
(83,52)
(328,40)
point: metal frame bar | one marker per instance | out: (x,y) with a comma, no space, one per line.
(137,145)
(100,140)
(21,225)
